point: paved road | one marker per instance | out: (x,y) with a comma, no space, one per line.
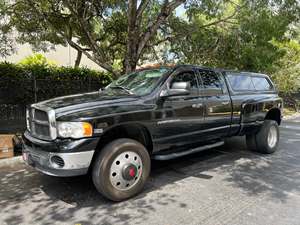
(227,185)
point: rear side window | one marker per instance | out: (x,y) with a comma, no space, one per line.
(244,82)
(261,84)
(240,82)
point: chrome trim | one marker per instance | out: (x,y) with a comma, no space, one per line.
(75,160)
(33,139)
(27,119)
(117,178)
(51,118)
(272,137)
(41,122)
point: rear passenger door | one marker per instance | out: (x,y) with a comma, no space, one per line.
(217,102)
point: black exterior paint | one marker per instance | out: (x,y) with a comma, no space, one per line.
(172,122)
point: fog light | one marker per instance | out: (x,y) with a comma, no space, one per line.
(57,161)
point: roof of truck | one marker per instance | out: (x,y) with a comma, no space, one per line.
(175,66)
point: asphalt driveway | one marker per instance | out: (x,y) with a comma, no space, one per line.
(227,185)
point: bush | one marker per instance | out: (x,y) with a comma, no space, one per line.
(37,59)
(27,83)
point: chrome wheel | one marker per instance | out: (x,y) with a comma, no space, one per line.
(272,137)
(126,170)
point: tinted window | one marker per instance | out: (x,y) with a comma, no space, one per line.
(186,77)
(240,82)
(211,83)
(261,84)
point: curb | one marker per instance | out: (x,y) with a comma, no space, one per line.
(10,161)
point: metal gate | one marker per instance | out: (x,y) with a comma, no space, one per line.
(15,94)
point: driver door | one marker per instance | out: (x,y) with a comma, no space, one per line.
(181,116)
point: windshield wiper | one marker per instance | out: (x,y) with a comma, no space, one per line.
(123,88)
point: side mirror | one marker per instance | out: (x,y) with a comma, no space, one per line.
(177,89)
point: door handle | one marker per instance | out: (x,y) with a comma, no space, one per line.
(225,103)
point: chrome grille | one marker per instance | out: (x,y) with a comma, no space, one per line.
(41,115)
(41,122)
(42,130)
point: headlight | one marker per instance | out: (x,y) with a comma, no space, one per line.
(74,129)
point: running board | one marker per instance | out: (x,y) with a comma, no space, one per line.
(190,151)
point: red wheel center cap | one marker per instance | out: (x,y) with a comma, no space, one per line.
(129,171)
(132,172)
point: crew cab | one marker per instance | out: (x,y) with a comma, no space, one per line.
(155,113)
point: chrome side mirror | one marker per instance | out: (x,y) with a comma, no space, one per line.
(177,89)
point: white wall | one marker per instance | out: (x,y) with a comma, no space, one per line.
(63,56)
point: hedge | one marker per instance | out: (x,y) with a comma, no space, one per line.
(25,84)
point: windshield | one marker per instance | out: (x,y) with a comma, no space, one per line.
(137,83)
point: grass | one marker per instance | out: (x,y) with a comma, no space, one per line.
(288,111)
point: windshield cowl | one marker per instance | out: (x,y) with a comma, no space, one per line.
(123,88)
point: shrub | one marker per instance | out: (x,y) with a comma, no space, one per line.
(36,59)
(27,83)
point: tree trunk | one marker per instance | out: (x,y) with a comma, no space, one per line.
(136,40)
(132,29)
(130,64)
(78,59)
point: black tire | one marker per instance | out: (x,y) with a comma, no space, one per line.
(251,142)
(260,142)
(103,163)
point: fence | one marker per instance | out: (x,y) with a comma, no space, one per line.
(15,94)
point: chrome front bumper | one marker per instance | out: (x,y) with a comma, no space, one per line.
(74,164)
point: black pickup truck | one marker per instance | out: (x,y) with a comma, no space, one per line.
(160,113)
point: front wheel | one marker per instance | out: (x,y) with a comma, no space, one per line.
(266,140)
(121,169)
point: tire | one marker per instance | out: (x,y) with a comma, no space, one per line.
(121,169)
(266,140)
(251,142)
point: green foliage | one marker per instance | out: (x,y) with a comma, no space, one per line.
(46,82)
(45,24)
(287,69)
(42,71)
(234,34)
(6,40)
(36,59)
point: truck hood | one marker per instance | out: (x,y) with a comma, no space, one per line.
(80,102)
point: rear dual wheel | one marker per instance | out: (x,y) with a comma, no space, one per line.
(266,140)
(121,169)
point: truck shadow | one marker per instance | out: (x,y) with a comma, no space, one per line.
(61,199)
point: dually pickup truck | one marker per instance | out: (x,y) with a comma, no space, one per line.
(159,113)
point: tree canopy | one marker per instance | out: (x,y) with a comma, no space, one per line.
(6,40)
(119,35)
(243,41)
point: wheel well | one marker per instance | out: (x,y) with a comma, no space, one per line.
(274,114)
(133,131)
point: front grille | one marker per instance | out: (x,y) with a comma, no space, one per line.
(40,123)
(42,130)
(40,115)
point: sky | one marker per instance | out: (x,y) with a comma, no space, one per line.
(180,11)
